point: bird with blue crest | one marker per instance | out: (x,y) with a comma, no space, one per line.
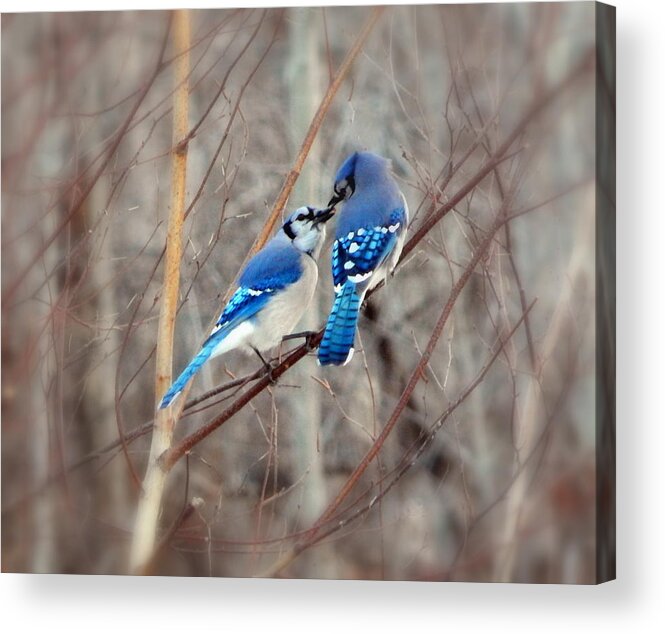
(369,238)
(274,290)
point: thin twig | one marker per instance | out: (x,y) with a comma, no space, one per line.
(293,175)
(416,376)
(83,195)
(534,110)
(408,460)
(312,132)
(169,458)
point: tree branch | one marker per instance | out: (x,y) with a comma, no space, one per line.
(169,458)
(145,528)
(293,175)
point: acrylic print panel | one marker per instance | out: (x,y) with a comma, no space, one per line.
(148,155)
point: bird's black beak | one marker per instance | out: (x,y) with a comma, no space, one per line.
(334,200)
(323,215)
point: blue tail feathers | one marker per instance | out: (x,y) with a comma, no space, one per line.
(340,332)
(193,367)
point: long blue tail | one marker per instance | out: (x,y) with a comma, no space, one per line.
(193,367)
(337,343)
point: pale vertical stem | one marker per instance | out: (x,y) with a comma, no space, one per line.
(147,518)
(531,417)
(304,80)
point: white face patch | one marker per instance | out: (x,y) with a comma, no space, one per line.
(308,238)
(361,277)
(305,229)
(354,247)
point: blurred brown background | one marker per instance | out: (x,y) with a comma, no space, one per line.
(505,488)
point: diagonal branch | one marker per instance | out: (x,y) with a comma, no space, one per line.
(169,458)
(407,461)
(312,132)
(541,103)
(416,376)
(293,175)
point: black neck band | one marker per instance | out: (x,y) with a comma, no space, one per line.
(288,231)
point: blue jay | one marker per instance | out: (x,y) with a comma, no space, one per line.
(273,292)
(368,242)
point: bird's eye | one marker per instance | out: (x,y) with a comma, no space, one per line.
(344,187)
(351,184)
(301,217)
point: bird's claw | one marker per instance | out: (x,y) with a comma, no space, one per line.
(269,369)
(307,335)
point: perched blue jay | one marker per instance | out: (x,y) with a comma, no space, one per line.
(370,235)
(273,292)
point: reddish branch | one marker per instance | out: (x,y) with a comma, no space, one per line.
(176,452)
(312,132)
(170,457)
(314,535)
(540,104)
(416,376)
(292,177)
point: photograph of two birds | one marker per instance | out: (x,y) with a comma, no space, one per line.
(278,283)
(309,292)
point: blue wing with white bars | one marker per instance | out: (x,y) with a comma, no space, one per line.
(356,256)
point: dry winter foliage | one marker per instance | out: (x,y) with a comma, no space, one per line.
(458,445)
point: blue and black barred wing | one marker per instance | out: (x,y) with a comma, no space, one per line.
(356,255)
(244,304)
(266,273)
